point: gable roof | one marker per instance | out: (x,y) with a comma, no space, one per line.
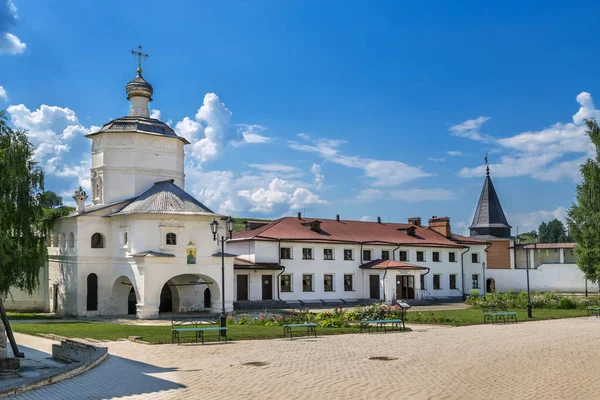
(165,197)
(345,231)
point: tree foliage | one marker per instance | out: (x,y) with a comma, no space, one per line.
(553,232)
(49,199)
(22,226)
(583,217)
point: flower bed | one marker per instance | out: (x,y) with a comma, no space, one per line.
(548,300)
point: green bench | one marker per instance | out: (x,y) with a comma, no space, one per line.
(183,325)
(310,328)
(381,323)
(593,310)
(494,313)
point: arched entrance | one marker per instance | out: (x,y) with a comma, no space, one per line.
(490,285)
(131,302)
(207,298)
(92,292)
(166,299)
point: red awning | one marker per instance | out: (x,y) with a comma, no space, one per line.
(391,264)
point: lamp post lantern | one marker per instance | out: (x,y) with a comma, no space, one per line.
(535,239)
(214,228)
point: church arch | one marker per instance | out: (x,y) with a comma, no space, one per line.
(171,239)
(124,296)
(92,292)
(188,293)
(97,241)
(71,240)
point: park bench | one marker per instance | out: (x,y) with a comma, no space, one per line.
(594,310)
(310,328)
(381,323)
(494,313)
(182,325)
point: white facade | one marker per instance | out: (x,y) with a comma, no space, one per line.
(338,270)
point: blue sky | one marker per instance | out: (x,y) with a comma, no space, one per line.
(364,109)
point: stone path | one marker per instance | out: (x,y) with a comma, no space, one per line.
(534,360)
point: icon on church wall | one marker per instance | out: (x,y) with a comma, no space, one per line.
(191,255)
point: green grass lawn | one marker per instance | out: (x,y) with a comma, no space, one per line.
(27,315)
(162,334)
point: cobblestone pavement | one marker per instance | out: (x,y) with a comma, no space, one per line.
(556,359)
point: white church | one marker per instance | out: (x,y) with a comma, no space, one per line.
(140,244)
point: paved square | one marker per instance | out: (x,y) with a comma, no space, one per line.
(535,360)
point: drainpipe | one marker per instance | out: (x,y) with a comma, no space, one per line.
(383,284)
(462,271)
(282,271)
(386,270)
(483,264)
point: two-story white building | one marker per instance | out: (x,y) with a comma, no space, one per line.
(310,260)
(143,246)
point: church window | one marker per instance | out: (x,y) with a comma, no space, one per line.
(71,241)
(171,239)
(92,292)
(97,241)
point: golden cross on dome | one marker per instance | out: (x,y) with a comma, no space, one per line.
(140,55)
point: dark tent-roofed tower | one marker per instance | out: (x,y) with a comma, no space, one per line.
(490,224)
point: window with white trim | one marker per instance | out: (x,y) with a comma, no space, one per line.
(328,283)
(366,255)
(307,283)
(348,255)
(307,253)
(437,282)
(348,282)
(385,254)
(327,254)
(286,283)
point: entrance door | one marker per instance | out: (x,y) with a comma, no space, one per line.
(131,302)
(490,286)
(374,287)
(405,287)
(92,292)
(166,300)
(207,298)
(242,287)
(267,287)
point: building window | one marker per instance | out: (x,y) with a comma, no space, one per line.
(452,257)
(436,256)
(423,282)
(327,254)
(307,253)
(348,284)
(328,283)
(436,282)
(420,256)
(307,283)
(475,279)
(475,258)
(63,240)
(92,292)
(403,255)
(286,283)
(71,241)
(97,241)
(453,281)
(286,253)
(171,239)
(366,255)
(385,254)
(348,254)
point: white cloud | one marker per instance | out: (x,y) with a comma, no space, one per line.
(3,94)
(155,114)
(274,167)
(470,129)
(319,178)
(550,154)
(455,153)
(303,136)
(527,222)
(251,134)
(366,218)
(434,159)
(381,172)
(9,42)
(408,195)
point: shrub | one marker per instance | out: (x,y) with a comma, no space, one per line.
(566,303)
(474,293)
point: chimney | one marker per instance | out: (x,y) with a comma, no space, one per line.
(441,225)
(337,217)
(80,197)
(414,221)
(299,215)
(378,220)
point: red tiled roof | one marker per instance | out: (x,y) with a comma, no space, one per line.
(551,246)
(344,231)
(391,264)
(240,263)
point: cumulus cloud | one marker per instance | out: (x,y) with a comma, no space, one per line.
(413,195)
(470,129)
(303,136)
(155,114)
(366,218)
(434,159)
(275,168)
(212,129)
(9,42)
(455,153)
(550,154)
(319,177)
(381,172)
(3,94)
(527,222)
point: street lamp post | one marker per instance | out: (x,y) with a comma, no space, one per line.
(214,227)
(529,313)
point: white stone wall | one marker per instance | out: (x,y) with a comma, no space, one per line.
(547,277)
(19,300)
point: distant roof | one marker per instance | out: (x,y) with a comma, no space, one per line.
(489,219)
(345,231)
(165,197)
(134,123)
(391,264)
(240,263)
(152,254)
(97,207)
(550,246)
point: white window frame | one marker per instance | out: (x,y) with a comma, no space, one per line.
(478,259)
(370,254)
(291,283)
(312,283)
(477,275)
(455,259)
(351,255)
(440,281)
(332,254)
(389,257)
(407,255)
(332,283)
(291,252)
(351,283)
(312,253)
(424,256)
(455,282)
(439,253)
